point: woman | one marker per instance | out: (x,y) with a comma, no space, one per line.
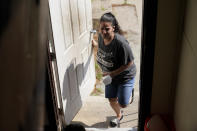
(116,59)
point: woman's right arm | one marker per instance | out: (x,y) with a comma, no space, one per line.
(94,43)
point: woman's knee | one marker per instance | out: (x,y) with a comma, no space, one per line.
(123,106)
(113,100)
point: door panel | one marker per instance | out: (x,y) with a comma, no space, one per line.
(66,18)
(73,81)
(75,18)
(85,54)
(71,24)
(88,15)
(82,16)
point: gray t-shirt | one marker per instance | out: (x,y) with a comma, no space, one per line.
(114,55)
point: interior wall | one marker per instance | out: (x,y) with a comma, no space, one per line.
(23,37)
(167,44)
(185,106)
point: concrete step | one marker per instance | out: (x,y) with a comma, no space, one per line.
(111,129)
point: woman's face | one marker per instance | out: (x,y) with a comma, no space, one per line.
(106,29)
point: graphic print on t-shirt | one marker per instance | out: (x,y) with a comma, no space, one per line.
(104,59)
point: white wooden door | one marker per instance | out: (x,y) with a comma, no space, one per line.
(71,24)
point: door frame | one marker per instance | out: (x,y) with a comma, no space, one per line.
(149,9)
(54,79)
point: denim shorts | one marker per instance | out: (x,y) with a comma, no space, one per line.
(121,91)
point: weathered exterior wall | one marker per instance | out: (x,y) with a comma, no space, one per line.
(101,6)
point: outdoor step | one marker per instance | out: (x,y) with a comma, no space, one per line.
(111,129)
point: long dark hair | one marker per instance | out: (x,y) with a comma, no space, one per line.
(109,17)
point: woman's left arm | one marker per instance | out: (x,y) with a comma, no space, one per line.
(119,70)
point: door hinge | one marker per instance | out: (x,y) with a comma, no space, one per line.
(51,52)
(60,111)
(52,56)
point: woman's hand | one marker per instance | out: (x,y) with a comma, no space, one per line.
(106,73)
(118,71)
(94,43)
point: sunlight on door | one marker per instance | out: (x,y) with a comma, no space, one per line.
(71,25)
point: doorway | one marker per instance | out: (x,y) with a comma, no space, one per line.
(146,55)
(96,112)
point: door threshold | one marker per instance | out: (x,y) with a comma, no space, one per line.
(111,129)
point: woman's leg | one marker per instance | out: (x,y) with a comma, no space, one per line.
(115,106)
(111,94)
(125,92)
